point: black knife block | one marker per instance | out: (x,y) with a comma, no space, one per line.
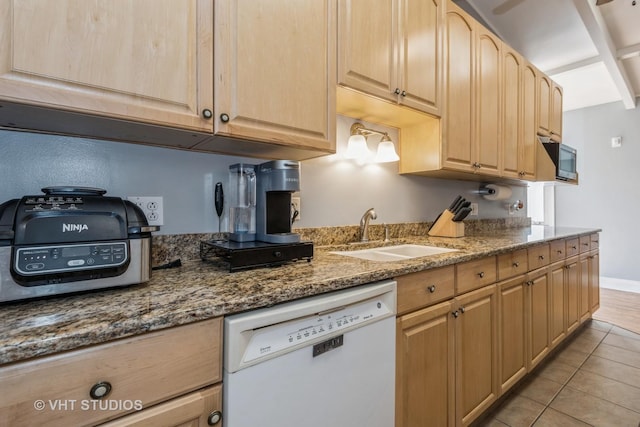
(446,227)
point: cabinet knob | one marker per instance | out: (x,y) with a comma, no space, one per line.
(455,314)
(559,252)
(516,264)
(540,257)
(431,288)
(595,241)
(397,91)
(207,114)
(585,244)
(461,310)
(481,274)
(100,390)
(404,93)
(574,247)
(214,418)
(224,117)
(529,282)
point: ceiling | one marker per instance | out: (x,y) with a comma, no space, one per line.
(592,51)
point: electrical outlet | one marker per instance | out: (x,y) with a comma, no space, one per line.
(474,209)
(151,206)
(295,206)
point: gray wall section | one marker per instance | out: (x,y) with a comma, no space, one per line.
(334,191)
(608,195)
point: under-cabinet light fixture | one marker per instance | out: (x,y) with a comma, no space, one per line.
(357,145)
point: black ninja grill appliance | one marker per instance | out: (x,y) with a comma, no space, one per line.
(71,239)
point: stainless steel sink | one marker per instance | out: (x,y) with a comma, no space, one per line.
(395,253)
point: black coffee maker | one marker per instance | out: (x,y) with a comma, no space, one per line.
(274,243)
(276,181)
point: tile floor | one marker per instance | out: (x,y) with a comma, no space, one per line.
(592,381)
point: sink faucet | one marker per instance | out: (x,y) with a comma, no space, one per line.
(364,224)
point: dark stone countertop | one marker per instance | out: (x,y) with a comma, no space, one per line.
(202,290)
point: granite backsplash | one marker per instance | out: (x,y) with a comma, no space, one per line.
(186,247)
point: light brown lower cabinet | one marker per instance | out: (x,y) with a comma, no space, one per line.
(537,316)
(572,283)
(476,339)
(163,375)
(446,374)
(425,367)
(593,260)
(512,331)
(558,294)
(198,409)
(455,358)
(584,307)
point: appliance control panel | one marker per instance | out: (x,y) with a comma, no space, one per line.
(33,261)
(297,333)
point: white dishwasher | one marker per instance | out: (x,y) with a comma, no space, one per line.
(327,360)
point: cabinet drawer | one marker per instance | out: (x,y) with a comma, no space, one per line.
(190,410)
(558,251)
(572,247)
(475,274)
(595,241)
(148,369)
(538,256)
(512,264)
(421,289)
(585,244)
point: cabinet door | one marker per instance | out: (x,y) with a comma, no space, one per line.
(275,72)
(512,114)
(538,315)
(512,332)
(476,353)
(425,367)
(594,281)
(572,284)
(529,127)
(458,132)
(420,54)
(584,287)
(555,120)
(558,302)
(488,86)
(191,410)
(544,104)
(149,60)
(367,56)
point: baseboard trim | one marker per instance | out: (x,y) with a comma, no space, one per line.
(620,284)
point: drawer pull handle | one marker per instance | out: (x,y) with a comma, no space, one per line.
(100,390)
(481,274)
(516,264)
(431,289)
(214,418)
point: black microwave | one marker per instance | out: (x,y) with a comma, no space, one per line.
(564,157)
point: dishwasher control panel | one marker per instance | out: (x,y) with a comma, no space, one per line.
(276,338)
(258,335)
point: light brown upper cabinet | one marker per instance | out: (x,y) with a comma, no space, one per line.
(544,104)
(555,118)
(519,116)
(391,49)
(275,75)
(471,123)
(149,61)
